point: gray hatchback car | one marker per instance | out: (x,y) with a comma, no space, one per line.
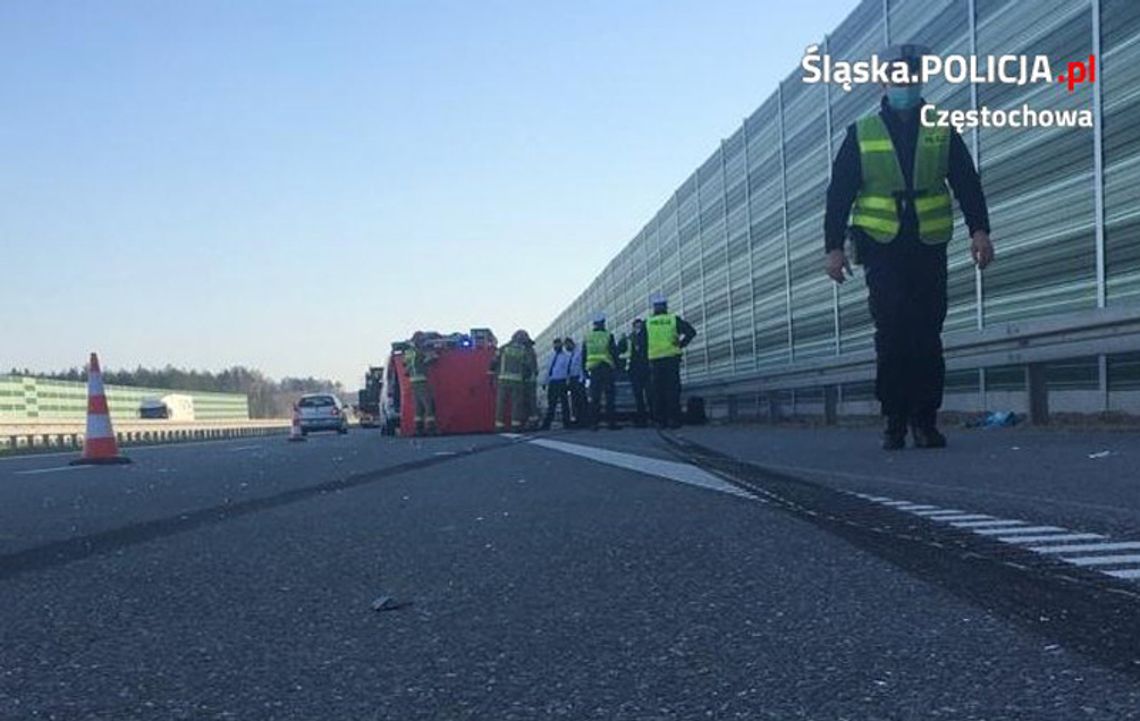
(322,412)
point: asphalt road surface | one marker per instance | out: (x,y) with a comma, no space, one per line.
(711,573)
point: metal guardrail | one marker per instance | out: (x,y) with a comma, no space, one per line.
(35,436)
(1029,343)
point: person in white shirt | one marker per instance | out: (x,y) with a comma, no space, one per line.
(557,391)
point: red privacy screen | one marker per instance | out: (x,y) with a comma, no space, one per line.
(464,397)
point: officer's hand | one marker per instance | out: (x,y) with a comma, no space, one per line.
(981,249)
(836,265)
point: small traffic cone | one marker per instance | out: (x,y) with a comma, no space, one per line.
(295,433)
(99,444)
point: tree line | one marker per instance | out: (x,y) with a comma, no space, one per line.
(268,398)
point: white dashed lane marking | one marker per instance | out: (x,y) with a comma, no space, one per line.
(986,524)
(1107,560)
(1051,538)
(1007,531)
(1054,541)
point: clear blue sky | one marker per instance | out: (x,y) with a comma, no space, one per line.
(294,185)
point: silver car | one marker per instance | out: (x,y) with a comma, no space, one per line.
(322,412)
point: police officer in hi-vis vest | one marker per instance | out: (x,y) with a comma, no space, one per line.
(667,334)
(601,361)
(893,177)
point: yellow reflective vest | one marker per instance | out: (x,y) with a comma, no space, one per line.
(876,210)
(663,340)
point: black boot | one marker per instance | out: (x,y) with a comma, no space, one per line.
(928,437)
(894,437)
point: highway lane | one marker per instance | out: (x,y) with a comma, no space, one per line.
(544,581)
(46,500)
(1043,475)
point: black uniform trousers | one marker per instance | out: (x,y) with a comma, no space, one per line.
(577,400)
(557,394)
(666,377)
(906,280)
(601,383)
(640,383)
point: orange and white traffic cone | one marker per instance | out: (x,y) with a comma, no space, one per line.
(295,433)
(99,444)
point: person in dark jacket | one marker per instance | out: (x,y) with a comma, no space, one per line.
(634,350)
(893,177)
(576,383)
(667,334)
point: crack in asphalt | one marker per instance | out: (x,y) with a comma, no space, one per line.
(1087,613)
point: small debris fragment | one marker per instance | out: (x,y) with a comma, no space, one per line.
(1100,454)
(387,603)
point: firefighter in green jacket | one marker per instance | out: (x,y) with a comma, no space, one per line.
(511,367)
(417,359)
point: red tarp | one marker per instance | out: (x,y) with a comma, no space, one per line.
(464,397)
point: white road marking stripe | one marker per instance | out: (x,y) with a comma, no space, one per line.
(1088,547)
(34,471)
(1021,532)
(1104,560)
(672,470)
(1127,573)
(1026,529)
(1051,538)
(511,435)
(242,448)
(986,524)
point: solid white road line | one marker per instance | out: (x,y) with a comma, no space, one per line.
(971,525)
(1088,547)
(1127,573)
(1024,529)
(53,469)
(914,508)
(897,503)
(1104,560)
(672,470)
(1051,538)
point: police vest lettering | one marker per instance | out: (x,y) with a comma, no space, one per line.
(876,210)
(663,339)
(598,349)
(511,360)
